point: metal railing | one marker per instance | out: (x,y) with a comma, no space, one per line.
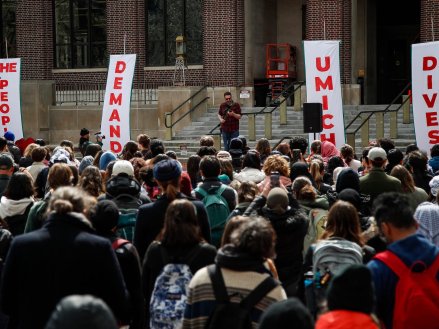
(170,122)
(278,102)
(81,94)
(379,116)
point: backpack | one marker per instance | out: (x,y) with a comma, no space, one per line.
(228,315)
(169,296)
(128,208)
(317,222)
(330,257)
(217,210)
(416,292)
(118,242)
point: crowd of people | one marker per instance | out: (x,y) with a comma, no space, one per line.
(298,234)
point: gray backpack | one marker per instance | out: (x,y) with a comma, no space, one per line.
(332,255)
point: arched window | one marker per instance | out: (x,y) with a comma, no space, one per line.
(166,20)
(7,29)
(80,33)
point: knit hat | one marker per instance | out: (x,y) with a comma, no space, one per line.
(347,178)
(377,154)
(60,155)
(166,170)
(224,155)
(6,162)
(85,162)
(351,290)
(286,314)
(105,159)
(9,136)
(434,185)
(123,167)
(277,200)
(350,195)
(104,216)
(300,169)
(84,131)
(236,143)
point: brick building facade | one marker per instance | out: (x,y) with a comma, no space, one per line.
(232,50)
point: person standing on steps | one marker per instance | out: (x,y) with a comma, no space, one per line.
(229,115)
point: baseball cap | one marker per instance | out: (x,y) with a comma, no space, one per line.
(9,136)
(166,170)
(6,162)
(377,153)
(123,167)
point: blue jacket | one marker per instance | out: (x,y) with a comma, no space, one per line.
(409,250)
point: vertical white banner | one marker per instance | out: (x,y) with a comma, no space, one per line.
(322,67)
(425,86)
(10,106)
(115,125)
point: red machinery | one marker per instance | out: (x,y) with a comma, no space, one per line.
(280,68)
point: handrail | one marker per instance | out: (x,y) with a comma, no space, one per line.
(187,113)
(387,109)
(262,111)
(180,106)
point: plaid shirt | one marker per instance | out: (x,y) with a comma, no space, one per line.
(231,124)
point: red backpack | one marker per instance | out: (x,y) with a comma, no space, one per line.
(416,293)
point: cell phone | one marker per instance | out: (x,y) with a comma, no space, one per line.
(274,179)
(296,155)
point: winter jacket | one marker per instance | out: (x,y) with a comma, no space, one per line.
(15,213)
(291,228)
(64,257)
(242,273)
(342,319)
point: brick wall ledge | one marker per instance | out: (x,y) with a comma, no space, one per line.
(170,68)
(86,70)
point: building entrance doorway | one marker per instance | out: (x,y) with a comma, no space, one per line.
(395,33)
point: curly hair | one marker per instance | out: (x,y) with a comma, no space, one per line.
(276,163)
(91,181)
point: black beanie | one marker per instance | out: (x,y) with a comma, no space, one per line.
(286,314)
(347,178)
(351,196)
(351,290)
(104,216)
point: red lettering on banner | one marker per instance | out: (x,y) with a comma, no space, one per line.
(117,83)
(4,96)
(429,81)
(434,137)
(331,138)
(5,119)
(327,125)
(429,63)
(319,64)
(3,83)
(115,146)
(429,102)
(325,85)
(115,131)
(325,102)
(120,67)
(4,108)
(115,100)
(114,115)
(8,67)
(431,118)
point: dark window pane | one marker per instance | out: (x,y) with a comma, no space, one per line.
(7,29)
(166,20)
(80,30)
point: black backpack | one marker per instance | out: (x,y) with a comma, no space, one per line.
(228,315)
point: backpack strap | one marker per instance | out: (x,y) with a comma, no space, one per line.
(218,190)
(259,292)
(201,191)
(218,285)
(116,244)
(393,262)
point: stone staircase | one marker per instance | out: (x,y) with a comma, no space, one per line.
(186,142)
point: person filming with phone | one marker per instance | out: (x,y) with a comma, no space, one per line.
(229,115)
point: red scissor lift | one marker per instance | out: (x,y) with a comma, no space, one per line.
(280,69)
